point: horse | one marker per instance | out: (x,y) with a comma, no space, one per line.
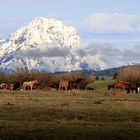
(6,86)
(134,86)
(29,84)
(63,84)
(110,86)
(123,85)
(75,84)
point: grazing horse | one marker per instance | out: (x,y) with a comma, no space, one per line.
(63,84)
(122,85)
(134,86)
(111,86)
(75,84)
(29,84)
(6,86)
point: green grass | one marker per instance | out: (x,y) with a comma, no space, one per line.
(101,84)
(59,115)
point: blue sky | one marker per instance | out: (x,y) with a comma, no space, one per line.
(111,21)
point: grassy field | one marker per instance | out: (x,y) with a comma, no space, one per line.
(101,84)
(59,115)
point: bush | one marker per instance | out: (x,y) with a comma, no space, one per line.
(45,79)
(129,74)
(86,81)
(97,77)
(20,75)
(3,78)
(115,75)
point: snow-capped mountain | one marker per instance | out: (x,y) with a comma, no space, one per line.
(49,45)
(45,44)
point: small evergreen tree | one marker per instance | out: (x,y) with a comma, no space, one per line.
(97,77)
(115,75)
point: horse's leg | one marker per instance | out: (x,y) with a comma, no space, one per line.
(109,87)
(123,88)
(76,89)
(136,89)
(66,88)
(59,87)
(115,88)
(128,90)
(69,88)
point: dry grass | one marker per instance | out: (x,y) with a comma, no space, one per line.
(85,115)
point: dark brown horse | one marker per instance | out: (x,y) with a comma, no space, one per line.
(75,84)
(111,86)
(134,87)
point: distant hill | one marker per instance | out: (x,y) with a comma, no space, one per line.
(109,72)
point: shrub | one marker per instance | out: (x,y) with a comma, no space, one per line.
(86,81)
(97,77)
(3,77)
(115,75)
(129,74)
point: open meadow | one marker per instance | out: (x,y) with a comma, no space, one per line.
(54,115)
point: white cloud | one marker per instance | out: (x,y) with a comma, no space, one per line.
(104,55)
(94,61)
(110,56)
(97,55)
(116,22)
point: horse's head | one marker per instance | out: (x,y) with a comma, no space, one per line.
(79,80)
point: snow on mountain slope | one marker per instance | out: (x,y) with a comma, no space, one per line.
(45,44)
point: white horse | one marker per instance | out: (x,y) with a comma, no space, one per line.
(30,84)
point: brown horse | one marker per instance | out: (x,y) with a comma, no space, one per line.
(122,85)
(75,84)
(63,84)
(29,84)
(134,87)
(6,86)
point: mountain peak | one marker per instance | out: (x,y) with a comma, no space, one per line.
(41,30)
(36,45)
(41,22)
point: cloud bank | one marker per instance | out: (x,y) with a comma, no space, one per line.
(116,22)
(91,56)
